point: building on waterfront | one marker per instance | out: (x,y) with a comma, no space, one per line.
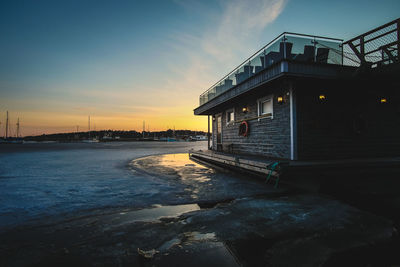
(310,97)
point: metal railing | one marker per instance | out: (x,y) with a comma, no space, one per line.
(374,48)
(288,46)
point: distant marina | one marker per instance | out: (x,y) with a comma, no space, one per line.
(8,138)
(93,136)
(119,136)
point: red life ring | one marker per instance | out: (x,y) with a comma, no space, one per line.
(244,128)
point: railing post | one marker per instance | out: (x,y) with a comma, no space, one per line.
(284,47)
(265,60)
(342,53)
(315,49)
(398,38)
(362,47)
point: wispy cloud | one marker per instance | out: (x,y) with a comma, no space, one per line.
(241,22)
(234,33)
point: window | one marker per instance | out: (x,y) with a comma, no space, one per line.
(265,107)
(230,116)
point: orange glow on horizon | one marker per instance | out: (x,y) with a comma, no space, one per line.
(38,123)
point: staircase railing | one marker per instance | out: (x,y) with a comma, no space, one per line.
(374,48)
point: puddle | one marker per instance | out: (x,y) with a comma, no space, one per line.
(158,212)
(155,213)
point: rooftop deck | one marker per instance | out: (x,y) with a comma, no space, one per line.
(305,55)
(287,46)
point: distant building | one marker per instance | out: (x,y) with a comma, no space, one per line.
(311,97)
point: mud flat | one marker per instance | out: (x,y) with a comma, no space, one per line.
(214,219)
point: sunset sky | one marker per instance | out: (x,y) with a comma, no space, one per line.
(122,62)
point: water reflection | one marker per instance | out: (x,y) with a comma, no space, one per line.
(178,160)
(192,174)
(193,181)
(155,213)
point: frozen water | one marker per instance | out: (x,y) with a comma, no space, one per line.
(37,180)
(111,198)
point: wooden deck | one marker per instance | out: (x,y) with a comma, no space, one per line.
(260,166)
(309,175)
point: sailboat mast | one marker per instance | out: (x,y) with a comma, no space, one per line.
(18,128)
(7,126)
(89,126)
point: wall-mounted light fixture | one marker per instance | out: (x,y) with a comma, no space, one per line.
(245,109)
(280,99)
(322,97)
(383,100)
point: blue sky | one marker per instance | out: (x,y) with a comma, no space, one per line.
(123,62)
